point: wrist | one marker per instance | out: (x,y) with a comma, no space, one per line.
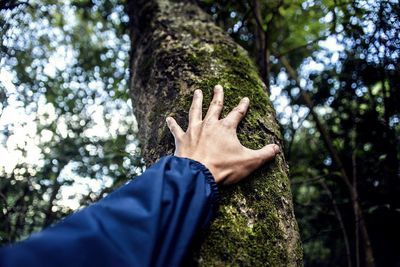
(209,166)
(213,169)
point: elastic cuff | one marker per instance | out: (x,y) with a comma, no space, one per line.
(210,180)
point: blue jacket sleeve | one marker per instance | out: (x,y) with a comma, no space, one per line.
(150,221)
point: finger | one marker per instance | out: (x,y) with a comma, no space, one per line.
(217,103)
(195,114)
(237,114)
(175,129)
(266,153)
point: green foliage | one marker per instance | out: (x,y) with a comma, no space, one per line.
(67,70)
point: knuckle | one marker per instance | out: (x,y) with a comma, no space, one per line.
(193,136)
(217,102)
(192,126)
(208,122)
(257,161)
(240,111)
(227,123)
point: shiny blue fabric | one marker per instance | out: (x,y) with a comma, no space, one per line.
(150,221)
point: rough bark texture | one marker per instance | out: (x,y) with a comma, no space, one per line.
(176,48)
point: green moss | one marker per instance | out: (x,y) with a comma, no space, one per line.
(245,244)
(257,201)
(255,219)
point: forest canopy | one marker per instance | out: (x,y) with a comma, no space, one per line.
(331,67)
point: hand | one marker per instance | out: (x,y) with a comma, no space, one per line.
(214,142)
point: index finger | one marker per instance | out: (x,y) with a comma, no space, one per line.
(195,112)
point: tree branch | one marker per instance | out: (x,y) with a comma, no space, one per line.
(340,220)
(370,261)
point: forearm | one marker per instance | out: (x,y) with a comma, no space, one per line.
(151,221)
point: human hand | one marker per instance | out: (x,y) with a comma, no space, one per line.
(214,142)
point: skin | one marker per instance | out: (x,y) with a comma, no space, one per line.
(214,143)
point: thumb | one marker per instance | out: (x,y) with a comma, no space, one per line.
(267,153)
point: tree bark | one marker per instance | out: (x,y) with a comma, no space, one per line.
(176,48)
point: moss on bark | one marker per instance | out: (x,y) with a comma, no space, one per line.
(179,49)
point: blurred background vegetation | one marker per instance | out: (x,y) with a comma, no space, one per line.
(67,135)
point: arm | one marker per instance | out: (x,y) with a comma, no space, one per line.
(152,220)
(148,222)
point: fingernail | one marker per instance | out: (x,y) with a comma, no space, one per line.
(246,100)
(168,119)
(197,91)
(218,88)
(276,149)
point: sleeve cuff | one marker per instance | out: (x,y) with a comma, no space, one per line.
(210,180)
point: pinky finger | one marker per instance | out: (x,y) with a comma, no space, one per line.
(174,127)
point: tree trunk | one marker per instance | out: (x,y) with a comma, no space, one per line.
(176,48)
